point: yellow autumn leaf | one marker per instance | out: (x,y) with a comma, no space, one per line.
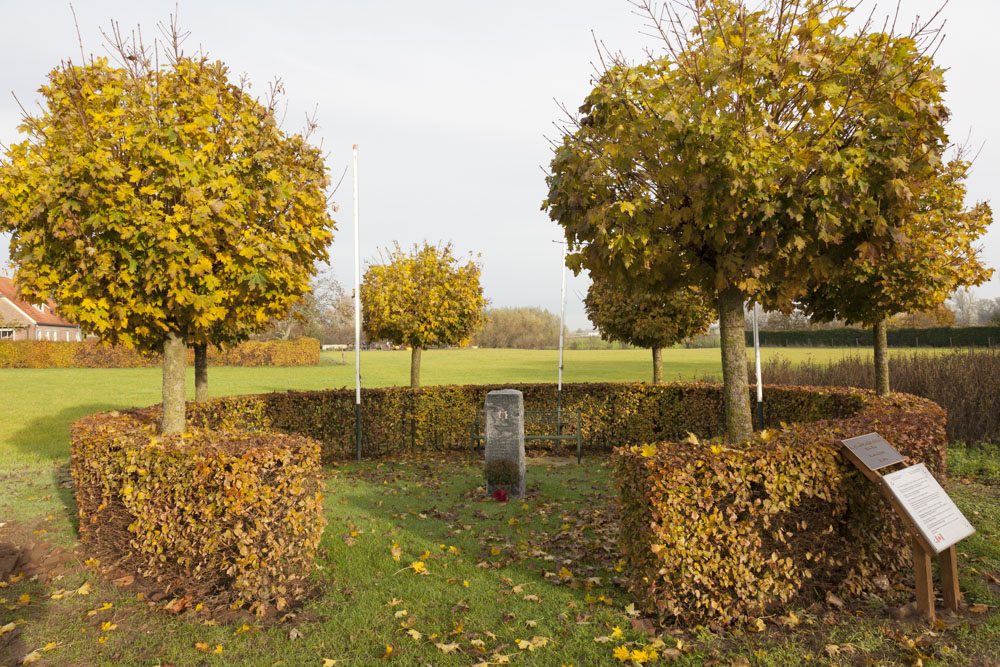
(648,450)
(692,439)
(201,646)
(416,634)
(418,567)
(396,551)
(616,632)
(621,653)
(84,589)
(34,656)
(639,655)
(447,648)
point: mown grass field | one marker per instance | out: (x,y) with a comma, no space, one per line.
(38,405)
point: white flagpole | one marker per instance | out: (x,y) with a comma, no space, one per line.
(562,327)
(357,307)
(756,355)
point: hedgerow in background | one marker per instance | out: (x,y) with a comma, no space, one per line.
(421,298)
(712,167)
(647,318)
(160,205)
(45,354)
(966,383)
(937,255)
(233,517)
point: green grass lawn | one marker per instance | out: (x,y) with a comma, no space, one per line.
(498,575)
(496,580)
(38,405)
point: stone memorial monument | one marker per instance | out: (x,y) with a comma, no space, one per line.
(505,432)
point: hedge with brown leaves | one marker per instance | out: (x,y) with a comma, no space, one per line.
(231,516)
(89,354)
(718,533)
(398,419)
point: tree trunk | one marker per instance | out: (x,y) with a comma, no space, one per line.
(657,365)
(201,372)
(415,367)
(736,389)
(881,358)
(174,384)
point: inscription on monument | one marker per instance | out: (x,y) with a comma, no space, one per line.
(934,514)
(505,432)
(873,451)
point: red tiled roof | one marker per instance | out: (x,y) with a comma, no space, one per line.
(48,317)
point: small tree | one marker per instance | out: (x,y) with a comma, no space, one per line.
(752,155)
(647,319)
(162,206)
(936,255)
(421,298)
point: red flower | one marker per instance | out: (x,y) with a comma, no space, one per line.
(500,495)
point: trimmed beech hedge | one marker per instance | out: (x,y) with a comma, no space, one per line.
(89,354)
(398,419)
(230,516)
(714,533)
(709,532)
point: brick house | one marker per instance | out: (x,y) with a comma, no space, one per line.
(19,320)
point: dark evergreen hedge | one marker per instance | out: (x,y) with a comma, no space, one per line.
(850,337)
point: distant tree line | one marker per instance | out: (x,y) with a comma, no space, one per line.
(526,328)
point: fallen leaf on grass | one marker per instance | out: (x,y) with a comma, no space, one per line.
(978,608)
(84,589)
(790,621)
(447,648)
(400,614)
(533,643)
(294,634)
(643,625)
(387,652)
(34,656)
(416,634)
(201,646)
(396,551)
(327,662)
(7,628)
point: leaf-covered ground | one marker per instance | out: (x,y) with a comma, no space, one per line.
(417,567)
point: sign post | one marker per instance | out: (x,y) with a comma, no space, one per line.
(934,521)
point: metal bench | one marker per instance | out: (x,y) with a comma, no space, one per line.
(536,420)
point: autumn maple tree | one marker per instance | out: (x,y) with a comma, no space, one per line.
(937,254)
(161,205)
(647,318)
(742,160)
(421,297)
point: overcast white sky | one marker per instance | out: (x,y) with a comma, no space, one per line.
(450,103)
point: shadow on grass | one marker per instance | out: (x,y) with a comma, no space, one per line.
(48,437)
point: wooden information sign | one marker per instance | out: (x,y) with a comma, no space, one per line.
(934,522)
